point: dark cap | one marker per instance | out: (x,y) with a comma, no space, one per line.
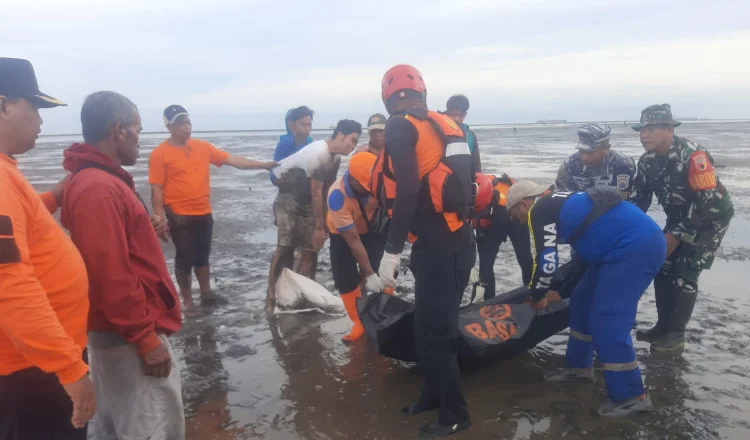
(173,112)
(18,80)
(376,122)
(657,114)
(590,136)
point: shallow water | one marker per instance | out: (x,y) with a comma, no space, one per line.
(245,376)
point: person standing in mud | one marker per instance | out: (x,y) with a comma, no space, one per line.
(356,241)
(293,213)
(134,304)
(596,164)
(624,249)
(376,132)
(457,107)
(45,390)
(698,208)
(419,146)
(179,174)
(301,202)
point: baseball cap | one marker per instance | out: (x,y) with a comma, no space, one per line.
(18,80)
(591,136)
(376,122)
(360,167)
(521,190)
(173,112)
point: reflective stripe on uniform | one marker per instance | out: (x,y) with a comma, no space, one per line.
(620,367)
(580,336)
(456,148)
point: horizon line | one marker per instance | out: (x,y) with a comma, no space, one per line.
(540,122)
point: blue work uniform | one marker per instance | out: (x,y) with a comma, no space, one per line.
(624,249)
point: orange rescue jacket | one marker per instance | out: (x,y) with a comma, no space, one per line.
(500,186)
(444,165)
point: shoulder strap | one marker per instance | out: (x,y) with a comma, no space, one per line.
(379,218)
(112,172)
(604,200)
(596,212)
(363,211)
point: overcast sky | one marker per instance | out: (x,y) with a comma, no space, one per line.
(241,64)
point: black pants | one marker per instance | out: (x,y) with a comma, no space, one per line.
(346,275)
(192,236)
(34,406)
(488,244)
(441,274)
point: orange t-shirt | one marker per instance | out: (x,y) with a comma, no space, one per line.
(184,173)
(44,287)
(344,211)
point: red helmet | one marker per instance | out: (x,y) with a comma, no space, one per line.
(402,77)
(484,190)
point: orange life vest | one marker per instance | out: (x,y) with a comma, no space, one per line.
(500,186)
(444,166)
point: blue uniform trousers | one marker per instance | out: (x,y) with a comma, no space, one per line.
(602,313)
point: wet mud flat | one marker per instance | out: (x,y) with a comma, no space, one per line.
(246,376)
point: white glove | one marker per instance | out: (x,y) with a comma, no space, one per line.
(388,269)
(474,276)
(479,294)
(373,283)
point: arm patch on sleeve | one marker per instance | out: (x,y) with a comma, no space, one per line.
(9,252)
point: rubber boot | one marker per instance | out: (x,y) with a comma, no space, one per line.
(350,302)
(674,339)
(665,292)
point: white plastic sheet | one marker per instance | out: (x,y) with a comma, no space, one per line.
(310,158)
(296,294)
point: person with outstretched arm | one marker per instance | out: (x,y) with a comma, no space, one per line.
(179,174)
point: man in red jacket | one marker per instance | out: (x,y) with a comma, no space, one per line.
(134,304)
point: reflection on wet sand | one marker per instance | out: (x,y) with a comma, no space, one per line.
(207,407)
(330,390)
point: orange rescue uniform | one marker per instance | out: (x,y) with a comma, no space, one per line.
(43,284)
(432,172)
(344,210)
(184,172)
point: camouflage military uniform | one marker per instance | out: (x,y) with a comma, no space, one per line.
(699,219)
(615,170)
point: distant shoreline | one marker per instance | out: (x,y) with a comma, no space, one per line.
(520,124)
